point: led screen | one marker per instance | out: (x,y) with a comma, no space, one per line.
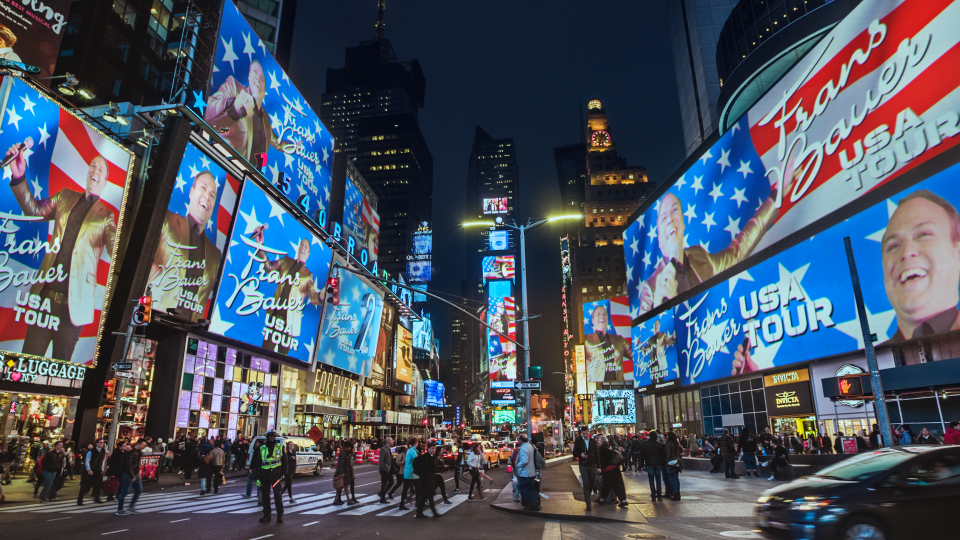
(499,267)
(32,31)
(383,358)
(348,338)
(501,316)
(404,354)
(496,205)
(418,271)
(434,393)
(422,334)
(499,240)
(423,241)
(504,417)
(867,103)
(186,263)
(258,110)
(270,292)
(62,210)
(360,222)
(655,352)
(614,407)
(606,330)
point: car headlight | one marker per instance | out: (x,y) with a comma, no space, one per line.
(764,499)
(808,504)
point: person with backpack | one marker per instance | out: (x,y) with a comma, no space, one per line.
(399,464)
(425,467)
(527,474)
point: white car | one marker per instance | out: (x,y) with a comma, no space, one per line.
(309,457)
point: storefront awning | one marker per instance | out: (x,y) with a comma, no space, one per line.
(922,376)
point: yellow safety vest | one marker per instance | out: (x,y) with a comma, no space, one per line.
(268,461)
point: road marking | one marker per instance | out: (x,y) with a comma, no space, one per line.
(58,519)
(337,508)
(551,530)
(114,532)
(262,537)
(179,520)
(311,523)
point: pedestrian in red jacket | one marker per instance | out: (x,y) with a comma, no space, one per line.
(952,435)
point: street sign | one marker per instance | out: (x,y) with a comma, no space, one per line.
(117,366)
(527,385)
(124,375)
(19,65)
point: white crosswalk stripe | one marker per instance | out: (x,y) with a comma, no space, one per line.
(68,503)
(330,509)
(253,501)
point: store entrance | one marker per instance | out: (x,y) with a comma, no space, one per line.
(801,426)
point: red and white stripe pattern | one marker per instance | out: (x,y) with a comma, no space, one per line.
(370,216)
(228,203)
(620,320)
(510,309)
(862,76)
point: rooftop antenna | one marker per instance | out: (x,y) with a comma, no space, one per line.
(380,21)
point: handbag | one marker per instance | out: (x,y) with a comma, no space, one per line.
(338,482)
(110,486)
(169,454)
(616,458)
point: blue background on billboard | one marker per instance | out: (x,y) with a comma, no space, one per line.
(308,157)
(434,391)
(496,291)
(357,311)
(642,362)
(499,240)
(194,162)
(283,234)
(353,210)
(712,200)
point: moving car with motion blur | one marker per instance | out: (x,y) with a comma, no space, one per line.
(891,493)
(506,450)
(490,452)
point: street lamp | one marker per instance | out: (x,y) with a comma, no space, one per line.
(523,287)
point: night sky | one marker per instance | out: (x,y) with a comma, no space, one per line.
(518,69)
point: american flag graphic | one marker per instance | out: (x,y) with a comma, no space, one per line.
(194,162)
(360,219)
(866,104)
(63,147)
(498,267)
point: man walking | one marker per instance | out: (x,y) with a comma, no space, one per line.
(585,452)
(527,475)
(386,468)
(92,477)
(217,460)
(728,451)
(53,466)
(653,458)
(636,447)
(270,467)
(131,478)
(426,469)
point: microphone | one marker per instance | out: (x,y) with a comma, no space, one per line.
(21,148)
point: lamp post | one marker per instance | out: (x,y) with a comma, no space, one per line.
(523,289)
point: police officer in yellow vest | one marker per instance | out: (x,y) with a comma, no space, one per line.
(269,465)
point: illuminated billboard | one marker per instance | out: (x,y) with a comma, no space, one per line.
(419,271)
(186,263)
(498,267)
(360,222)
(504,417)
(499,240)
(404,355)
(258,110)
(606,330)
(501,316)
(502,393)
(614,407)
(496,205)
(31,32)
(866,104)
(434,393)
(422,334)
(383,358)
(655,353)
(270,294)
(348,336)
(62,213)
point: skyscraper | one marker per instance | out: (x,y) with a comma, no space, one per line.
(694,28)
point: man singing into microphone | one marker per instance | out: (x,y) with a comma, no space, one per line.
(85,228)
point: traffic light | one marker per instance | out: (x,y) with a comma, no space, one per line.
(141,315)
(333,291)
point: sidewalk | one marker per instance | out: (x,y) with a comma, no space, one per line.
(704,496)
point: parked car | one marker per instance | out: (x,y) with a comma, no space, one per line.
(506,450)
(309,457)
(891,493)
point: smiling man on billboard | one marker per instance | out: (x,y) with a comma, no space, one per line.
(605,350)
(239,110)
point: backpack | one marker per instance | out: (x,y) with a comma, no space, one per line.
(538,460)
(418,464)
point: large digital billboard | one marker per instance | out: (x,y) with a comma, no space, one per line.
(499,240)
(504,417)
(434,393)
(501,316)
(258,110)
(348,338)
(61,213)
(606,331)
(499,267)
(423,333)
(31,32)
(186,263)
(383,359)
(496,205)
(866,104)
(360,222)
(404,355)
(614,407)
(655,353)
(275,269)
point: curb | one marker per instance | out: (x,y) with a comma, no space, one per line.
(560,517)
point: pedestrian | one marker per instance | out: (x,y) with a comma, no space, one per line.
(952,434)
(399,465)
(875,438)
(674,457)
(131,478)
(795,443)
(781,458)
(636,447)
(409,477)
(728,451)
(439,482)
(608,459)
(585,452)
(475,462)
(346,473)
(653,457)
(826,445)
(218,458)
(204,467)
(457,465)
(693,445)
(813,444)
(54,465)
(425,467)
(270,467)
(748,451)
(115,466)
(926,438)
(8,457)
(94,462)
(189,457)
(386,469)
(527,475)
(251,472)
(291,457)
(862,445)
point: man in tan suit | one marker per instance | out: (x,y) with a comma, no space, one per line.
(186,262)
(605,351)
(239,110)
(85,228)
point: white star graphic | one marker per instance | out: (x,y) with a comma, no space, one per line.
(248,47)
(708,220)
(251,220)
(276,211)
(735,128)
(229,55)
(210,224)
(656,206)
(879,324)
(682,181)
(274,172)
(745,276)
(733,227)
(37,190)
(634,246)
(738,196)
(653,232)
(274,83)
(629,274)
(745,168)
(263,48)
(706,155)
(232,243)
(316,242)
(715,193)
(204,161)
(686,241)
(326,155)
(28,105)
(691,213)
(318,128)
(217,324)
(697,184)
(646,259)
(791,284)
(705,246)
(310,346)
(724,160)
(288,161)
(44,135)
(295,249)
(302,190)
(878,236)
(759,204)
(763,355)
(13,117)
(326,194)
(193,171)
(275,123)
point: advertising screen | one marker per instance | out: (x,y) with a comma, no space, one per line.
(496,205)
(434,392)
(655,352)
(866,104)
(614,407)
(501,316)
(504,417)
(607,348)
(423,334)
(404,355)
(502,393)
(186,263)
(348,338)
(419,271)
(498,267)
(383,359)
(270,292)
(499,240)
(31,32)
(62,211)
(262,112)
(360,222)
(423,241)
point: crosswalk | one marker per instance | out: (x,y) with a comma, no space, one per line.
(234,503)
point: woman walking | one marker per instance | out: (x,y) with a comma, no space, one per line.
(475,462)
(291,457)
(399,463)
(612,479)
(674,454)
(345,470)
